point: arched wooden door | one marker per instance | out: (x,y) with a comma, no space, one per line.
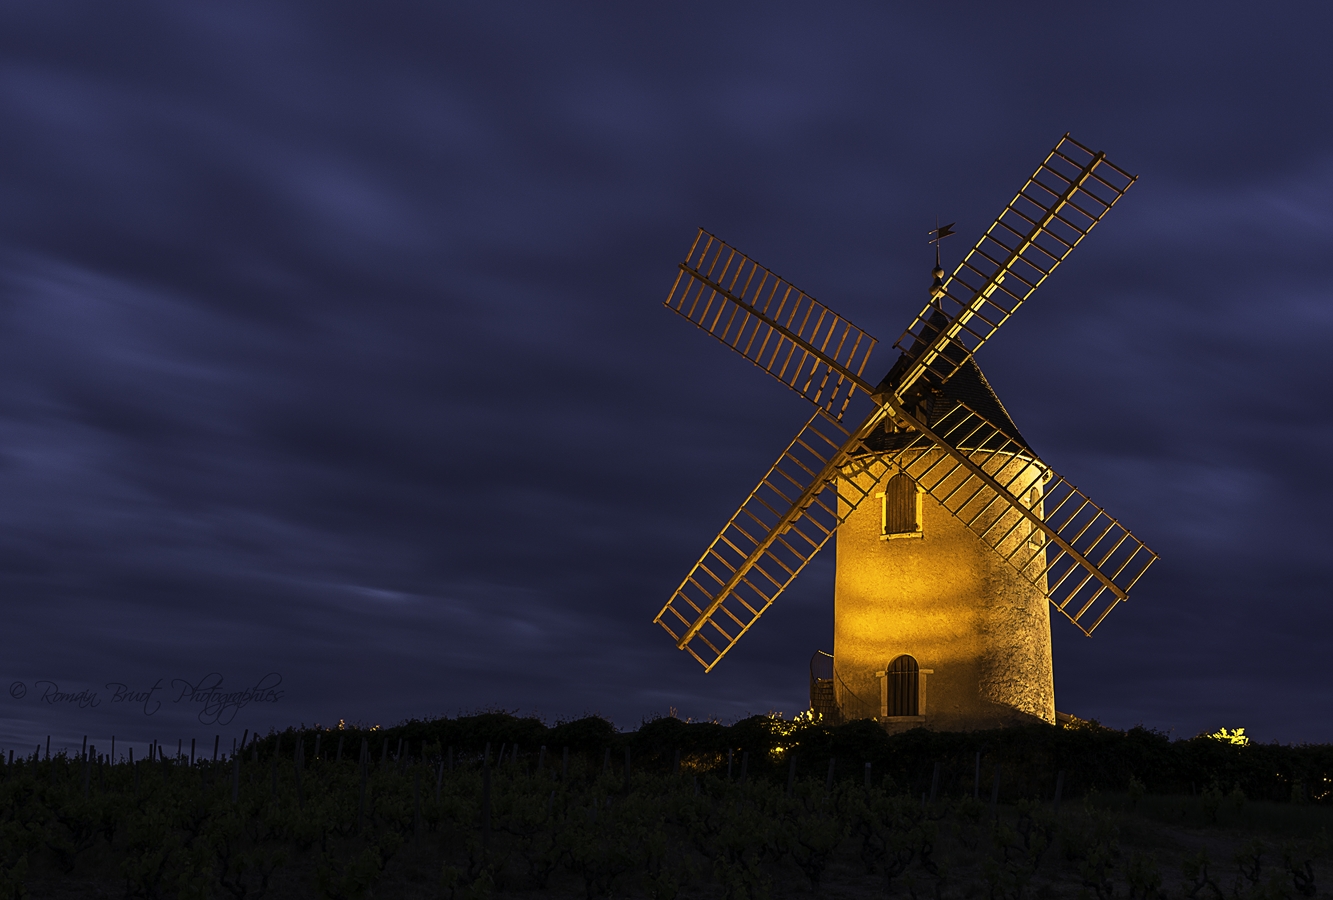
(903,686)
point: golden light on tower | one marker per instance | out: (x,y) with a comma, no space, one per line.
(954,538)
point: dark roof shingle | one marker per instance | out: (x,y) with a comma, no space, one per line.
(969,386)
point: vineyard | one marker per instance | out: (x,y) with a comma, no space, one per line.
(494,804)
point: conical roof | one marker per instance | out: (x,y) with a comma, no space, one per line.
(968,385)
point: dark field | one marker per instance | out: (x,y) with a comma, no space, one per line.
(475,807)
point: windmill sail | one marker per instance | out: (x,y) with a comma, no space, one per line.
(1047,529)
(1057,207)
(776,326)
(779,528)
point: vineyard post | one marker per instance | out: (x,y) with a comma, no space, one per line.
(935,783)
(500,757)
(416,800)
(217,741)
(399,754)
(84,752)
(361,801)
(791,775)
(86,767)
(675,765)
(180,748)
(867,776)
(48,746)
(113,750)
(828,782)
(1059,786)
(485,804)
(297,759)
(745,764)
(976,785)
(995,788)
(135,767)
(486,754)
(235,779)
(245,737)
(439,777)
(192,740)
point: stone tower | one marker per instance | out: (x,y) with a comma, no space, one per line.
(932,627)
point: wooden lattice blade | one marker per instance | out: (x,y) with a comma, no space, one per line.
(1068,194)
(774,325)
(785,521)
(1048,530)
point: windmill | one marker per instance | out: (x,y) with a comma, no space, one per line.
(991,537)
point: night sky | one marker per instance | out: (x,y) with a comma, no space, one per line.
(332,342)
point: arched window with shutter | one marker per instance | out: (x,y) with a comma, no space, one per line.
(901,510)
(902,682)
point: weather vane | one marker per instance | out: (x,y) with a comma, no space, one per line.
(939,234)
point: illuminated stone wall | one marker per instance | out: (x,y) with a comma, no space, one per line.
(951,602)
